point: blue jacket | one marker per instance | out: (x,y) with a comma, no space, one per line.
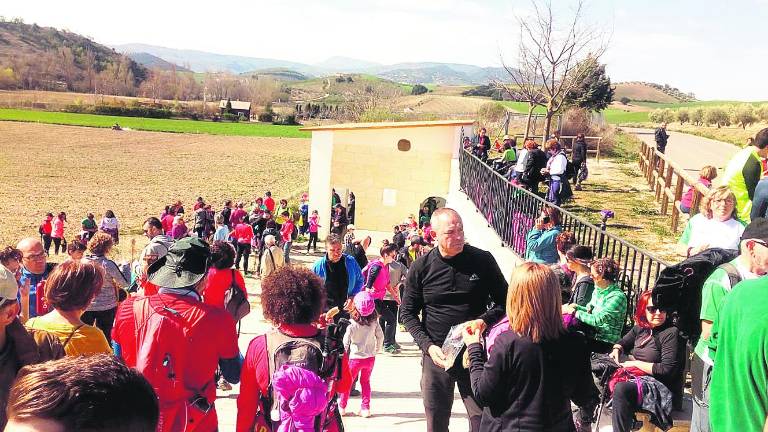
(540,245)
(354,274)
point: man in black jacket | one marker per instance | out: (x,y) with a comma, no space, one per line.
(453,284)
(661,136)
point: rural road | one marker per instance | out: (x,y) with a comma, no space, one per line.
(691,152)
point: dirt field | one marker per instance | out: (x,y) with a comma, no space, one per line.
(56,100)
(641,92)
(74,169)
(441,105)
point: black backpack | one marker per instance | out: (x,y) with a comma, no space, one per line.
(678,287)
(236,300)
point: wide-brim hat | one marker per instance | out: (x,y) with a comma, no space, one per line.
(185,264)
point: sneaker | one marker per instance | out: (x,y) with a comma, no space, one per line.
(342,411)
(578,187)
(223,385)
(397,345)
(401,328)
(364,413)
(391,349)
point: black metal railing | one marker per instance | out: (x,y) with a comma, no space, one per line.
(512,211)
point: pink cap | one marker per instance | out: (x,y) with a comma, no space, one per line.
(364,303)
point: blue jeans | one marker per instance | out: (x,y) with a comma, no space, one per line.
(553,195)
(287,251)
(760,200)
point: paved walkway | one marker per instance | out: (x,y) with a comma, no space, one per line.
(691,152)
(396,397)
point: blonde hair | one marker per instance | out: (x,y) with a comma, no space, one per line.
(708,172)
(534,303)
(720,192)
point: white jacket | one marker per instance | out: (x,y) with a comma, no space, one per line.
(363,341)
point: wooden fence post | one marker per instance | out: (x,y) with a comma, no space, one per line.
(665,192)
(675,209)
(657,178)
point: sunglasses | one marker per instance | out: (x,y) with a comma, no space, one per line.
(654,309)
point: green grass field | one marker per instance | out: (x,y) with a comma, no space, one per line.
(655,105)
(612,116)
(156,125)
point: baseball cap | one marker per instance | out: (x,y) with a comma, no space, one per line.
(185,264)
(757,230)
(9,288)
(364,303)
(350,227)
(506,137)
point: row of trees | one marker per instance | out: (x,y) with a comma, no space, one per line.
(743,115)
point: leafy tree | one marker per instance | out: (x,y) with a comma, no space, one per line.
(593,90)
(228,107)
(744,115)
(625,100)
(665,115)
(683,116)
(762,112)
(419,89)
(697,116)
(717,116)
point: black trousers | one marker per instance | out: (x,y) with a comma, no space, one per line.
(437,387)
(624,406)
(57,245)
(312,241)
(387,310)
(243,251)
(47,243)
(103,320)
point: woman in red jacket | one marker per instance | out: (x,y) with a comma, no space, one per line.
(242,235)
(292,299)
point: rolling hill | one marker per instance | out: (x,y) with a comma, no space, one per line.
(153,62)
(55,58)
(650,92)
(278,74)
(410,73)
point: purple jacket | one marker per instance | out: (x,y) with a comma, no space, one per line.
(302,396)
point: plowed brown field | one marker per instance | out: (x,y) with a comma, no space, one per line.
(74,169)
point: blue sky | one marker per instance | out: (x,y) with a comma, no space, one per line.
(716,49)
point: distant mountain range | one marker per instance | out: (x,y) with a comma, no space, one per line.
(411,73)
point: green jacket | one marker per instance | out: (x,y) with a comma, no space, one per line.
(741,175)
(605,312)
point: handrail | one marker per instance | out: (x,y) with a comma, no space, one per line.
(667,179)
(511,211)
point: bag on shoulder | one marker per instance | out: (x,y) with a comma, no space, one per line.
(163,364)
(236,300)
(305,353)
(583,172)
(678,287)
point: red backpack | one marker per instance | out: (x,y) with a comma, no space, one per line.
(162,349)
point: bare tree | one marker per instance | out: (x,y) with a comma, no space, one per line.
(550,52)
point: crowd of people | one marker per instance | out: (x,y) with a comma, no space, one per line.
(150,342)
(531,165)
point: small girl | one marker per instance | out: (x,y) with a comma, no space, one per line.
(314,224)
(362,341)
(706,175)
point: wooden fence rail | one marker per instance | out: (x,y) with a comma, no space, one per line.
(668,181)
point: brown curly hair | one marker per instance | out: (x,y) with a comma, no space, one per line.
(564,241)
(607,268)
(72,285)
(8,253)
(292,295)
(100,243)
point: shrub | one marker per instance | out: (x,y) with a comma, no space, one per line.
(683,116)
(762,112)
(267,117)
(625,100)
(419,89)
(287,120)
(230,117)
